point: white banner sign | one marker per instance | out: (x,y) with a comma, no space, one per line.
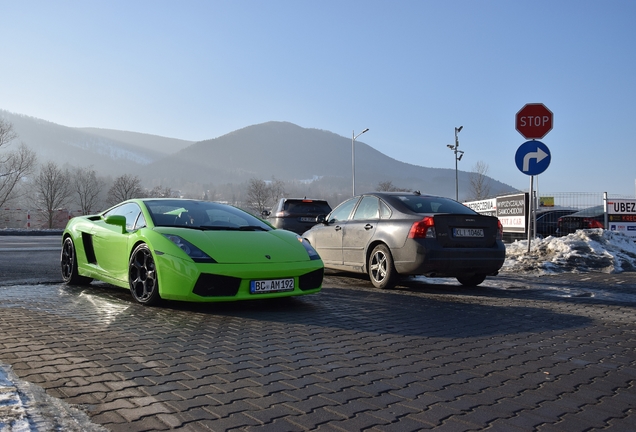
(621,216)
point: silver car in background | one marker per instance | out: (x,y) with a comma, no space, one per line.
(388,234)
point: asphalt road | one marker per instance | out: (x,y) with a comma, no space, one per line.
(518,353)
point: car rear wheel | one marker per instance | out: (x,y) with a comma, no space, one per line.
(471,280)
(142,276)
(381,269)
(68,262)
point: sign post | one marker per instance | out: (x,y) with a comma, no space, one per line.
(533,121)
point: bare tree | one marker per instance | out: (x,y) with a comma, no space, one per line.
(160,192)
(276,190)
(52,191)
(479,181)
(125,187)
(87,188)
(14,165)
(387,186)
(258,194)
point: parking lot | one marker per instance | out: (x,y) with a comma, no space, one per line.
(518,353)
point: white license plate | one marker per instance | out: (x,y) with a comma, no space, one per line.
(468,232)
(268,286)
(307,219)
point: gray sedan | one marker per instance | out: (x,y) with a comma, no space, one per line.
(388,234)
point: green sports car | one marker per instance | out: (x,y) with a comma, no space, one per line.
(177,249)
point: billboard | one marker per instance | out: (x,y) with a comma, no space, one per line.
(486,207)
(512,211)
(621,216)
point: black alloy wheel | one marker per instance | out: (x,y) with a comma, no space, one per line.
(68,262)
(142,276)
(381,268)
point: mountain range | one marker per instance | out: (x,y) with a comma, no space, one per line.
(310,161)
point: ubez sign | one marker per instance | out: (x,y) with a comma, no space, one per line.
(621,216)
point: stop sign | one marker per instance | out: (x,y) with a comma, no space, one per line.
(534,121)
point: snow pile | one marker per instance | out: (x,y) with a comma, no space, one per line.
(26,407)
(593,250)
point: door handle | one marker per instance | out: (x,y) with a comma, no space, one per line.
(368,227)
(337,227)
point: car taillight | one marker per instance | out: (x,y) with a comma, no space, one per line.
(593,223)
(423,229)
(282,214)
(499,230)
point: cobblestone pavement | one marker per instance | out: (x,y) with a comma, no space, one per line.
(512,357)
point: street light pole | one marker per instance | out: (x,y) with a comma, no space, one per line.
(457,159)
(353,157)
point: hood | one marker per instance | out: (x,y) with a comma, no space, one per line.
(241,247)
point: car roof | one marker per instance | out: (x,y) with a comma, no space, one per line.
(541,211)
(304,199)
(393,194)
(591,211)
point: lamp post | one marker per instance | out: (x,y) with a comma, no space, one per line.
(353,157)
(457,159)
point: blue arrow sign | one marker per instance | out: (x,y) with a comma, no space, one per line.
(532,157)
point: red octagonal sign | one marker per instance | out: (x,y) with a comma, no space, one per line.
(534,121)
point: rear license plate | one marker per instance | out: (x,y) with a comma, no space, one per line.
(468,232)
(269,286)
(307,219)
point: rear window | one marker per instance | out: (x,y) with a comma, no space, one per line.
(590,212)
(306,207)
(428,204)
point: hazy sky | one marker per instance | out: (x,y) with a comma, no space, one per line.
(411,71)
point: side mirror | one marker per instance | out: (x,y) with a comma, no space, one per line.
(321,219)
(265,213)
(117,220)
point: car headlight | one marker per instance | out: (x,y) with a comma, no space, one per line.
(313,255)
(191,250)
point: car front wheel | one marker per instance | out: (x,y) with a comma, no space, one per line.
(68,262)
(142,276)
(381,269)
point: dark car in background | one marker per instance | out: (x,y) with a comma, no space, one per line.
(297,214)
(547,221)
(593,217)
(389,234)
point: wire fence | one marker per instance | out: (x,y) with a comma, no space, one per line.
(573,200)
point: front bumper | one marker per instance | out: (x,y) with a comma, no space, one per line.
(189,281)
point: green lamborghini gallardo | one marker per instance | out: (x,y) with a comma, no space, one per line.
(177,249)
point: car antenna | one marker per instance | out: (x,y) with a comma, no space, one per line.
(416,192)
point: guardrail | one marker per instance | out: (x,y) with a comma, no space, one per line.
(34,219)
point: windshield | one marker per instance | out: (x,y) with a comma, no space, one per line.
(203,215)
